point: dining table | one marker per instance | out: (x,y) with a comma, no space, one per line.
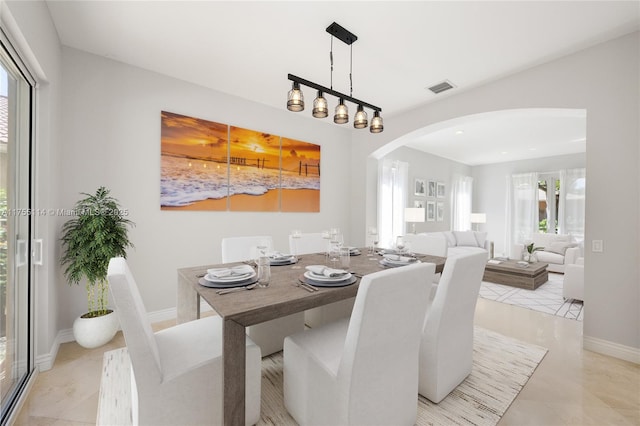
(284,296)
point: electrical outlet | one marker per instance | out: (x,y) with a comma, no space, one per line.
(597,246)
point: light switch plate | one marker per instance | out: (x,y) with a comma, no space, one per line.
(597,246)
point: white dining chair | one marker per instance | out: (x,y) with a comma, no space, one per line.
(176,373)
(315,243)
(446,349)
(268,335)
(362,370)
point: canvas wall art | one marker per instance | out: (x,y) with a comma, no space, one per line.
(214,166)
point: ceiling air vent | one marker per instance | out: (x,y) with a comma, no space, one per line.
(441,87)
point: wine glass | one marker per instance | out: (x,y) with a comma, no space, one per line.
(400,243)
(296,234)
(373,236)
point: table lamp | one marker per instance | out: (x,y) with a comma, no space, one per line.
(413,215)
(478,218)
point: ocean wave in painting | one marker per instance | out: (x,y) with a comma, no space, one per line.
(186,181)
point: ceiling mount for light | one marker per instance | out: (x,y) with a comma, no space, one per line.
(295,98)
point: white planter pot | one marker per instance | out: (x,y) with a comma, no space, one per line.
(94,332)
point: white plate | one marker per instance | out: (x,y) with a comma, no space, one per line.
(341,283)
(283,261)
(244,282)
(230,278)
(321,278)
(395,263)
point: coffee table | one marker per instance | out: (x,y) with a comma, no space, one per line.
(509,273)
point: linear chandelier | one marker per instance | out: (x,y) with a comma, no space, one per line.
(295,98)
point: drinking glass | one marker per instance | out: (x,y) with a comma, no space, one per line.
(373,236)
(264,271)
(400,243)
(345,258)
(296,234)
(334,254)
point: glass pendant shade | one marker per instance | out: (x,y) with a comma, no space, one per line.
(320,107)
(295,99)
(342,113)
(360,119)
(376,123)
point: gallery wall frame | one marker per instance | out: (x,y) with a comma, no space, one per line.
(440,211)
(440,190)
(419,187)
(431,211)
(418,203)
(431,191)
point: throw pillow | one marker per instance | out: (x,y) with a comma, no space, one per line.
(465,238)
(451,239)
(481,237)
(558,247)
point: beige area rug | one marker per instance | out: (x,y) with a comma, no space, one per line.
(501,368)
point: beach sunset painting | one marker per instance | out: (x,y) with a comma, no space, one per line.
(254,170)
(213,166)
(193,163)
(300,176)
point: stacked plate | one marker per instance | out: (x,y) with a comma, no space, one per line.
(354,251)
(236,276)
(394,260)
(321,276)
(277,259)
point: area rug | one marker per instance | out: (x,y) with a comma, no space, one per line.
(547,298)
(501,368)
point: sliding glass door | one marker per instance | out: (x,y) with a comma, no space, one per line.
(16,215)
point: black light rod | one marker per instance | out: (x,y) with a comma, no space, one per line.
(332,92)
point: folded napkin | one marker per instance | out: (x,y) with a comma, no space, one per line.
(398,258)
(327,272)
(230,272)
(279,256)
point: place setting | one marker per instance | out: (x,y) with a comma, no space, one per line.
(236,276)
(323,276)
(281,259)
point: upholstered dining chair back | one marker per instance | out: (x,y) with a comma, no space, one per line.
(446,349)
(176,373)
(268,335)
(308,243)
(238,249)
(362,370)
(434,245)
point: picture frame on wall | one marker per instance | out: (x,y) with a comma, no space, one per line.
(440,211)
(440,190)
(418,204)
(419,187)
(432,189)
(431,211)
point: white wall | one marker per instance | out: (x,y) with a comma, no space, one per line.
(603,80)
(490,187)
(429,167)
(111,133)
(31,27)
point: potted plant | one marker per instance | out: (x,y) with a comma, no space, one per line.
(97,232)
(530,256)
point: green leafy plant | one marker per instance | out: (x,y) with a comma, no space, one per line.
(97,232)
(531,249)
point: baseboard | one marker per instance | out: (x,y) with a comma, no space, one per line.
(45,362)
(615,350)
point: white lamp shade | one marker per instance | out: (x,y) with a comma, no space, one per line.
(478,218)
(413,214)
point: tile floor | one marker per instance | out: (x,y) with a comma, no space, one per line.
(570,387)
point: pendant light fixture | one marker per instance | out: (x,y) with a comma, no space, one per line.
(295,98)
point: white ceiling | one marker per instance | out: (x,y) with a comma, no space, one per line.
(248,48)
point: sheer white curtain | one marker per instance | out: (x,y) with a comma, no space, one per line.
(572,203)
(392,199)
(522,208)
(461,193)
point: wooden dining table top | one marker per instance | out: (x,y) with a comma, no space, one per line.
(284,296)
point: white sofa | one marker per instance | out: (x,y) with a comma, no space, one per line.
(558,250)
(573,285)
(463,242)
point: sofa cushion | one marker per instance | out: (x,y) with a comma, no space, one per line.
(481,237)
(466,238)
(548,257)
(558,247)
